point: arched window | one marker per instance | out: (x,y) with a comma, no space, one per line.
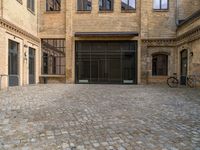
(160,65)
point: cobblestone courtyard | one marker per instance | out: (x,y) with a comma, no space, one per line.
(99,117)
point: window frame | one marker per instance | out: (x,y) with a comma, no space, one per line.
(166,67)
(160,7)
(31,6)
(20,1)
(129,10)
(54,10)
(104,6)
(53,49)
(83,10)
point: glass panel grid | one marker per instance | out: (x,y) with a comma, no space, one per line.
(106,62)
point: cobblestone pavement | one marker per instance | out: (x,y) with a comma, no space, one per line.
(99,117)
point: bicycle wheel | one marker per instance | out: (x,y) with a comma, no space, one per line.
(190,82)
(172,82)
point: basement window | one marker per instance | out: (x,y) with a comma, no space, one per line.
(127,5)
(31,5)
(84,5)
(53,5)
(106,5)
(161,4)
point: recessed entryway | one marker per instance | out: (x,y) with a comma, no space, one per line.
(13,63)
(106,62)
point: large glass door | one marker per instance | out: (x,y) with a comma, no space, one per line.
(31,66)
(114,60)
(83,63)
(106,62)
(13,63)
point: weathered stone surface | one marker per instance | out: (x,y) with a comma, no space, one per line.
(86,117)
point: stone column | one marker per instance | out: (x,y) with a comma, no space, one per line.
(144,63)
(70,8)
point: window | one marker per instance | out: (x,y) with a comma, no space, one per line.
(53,5)
(31,5)
(160,65)
(84,5)
(105,5)
(161,4)
(53,56)
(128,4)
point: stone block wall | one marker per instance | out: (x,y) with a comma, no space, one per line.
(150,25)
(187,8)
(20,25)
(18,14)
(52,24)
(157,24)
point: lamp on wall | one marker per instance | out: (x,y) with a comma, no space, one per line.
(25,56)
(191,54)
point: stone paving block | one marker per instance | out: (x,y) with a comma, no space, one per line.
(99,117)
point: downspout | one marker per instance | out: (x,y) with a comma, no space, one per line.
(177,13)
(176,47)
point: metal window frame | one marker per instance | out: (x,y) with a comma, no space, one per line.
(31,5)
(128,6)
(54,50)
(167,60)
(82,5)
(135,42)
(160,7)
(54,7)
(104,6)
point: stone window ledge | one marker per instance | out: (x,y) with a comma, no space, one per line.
(128,11)
(160,10)
(83,11)
(52,12)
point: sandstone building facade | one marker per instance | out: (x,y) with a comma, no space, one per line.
(19,43)
(100,41)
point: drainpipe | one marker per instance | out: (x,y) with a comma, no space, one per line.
(177,13)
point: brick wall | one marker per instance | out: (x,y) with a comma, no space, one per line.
(157,24)
(52,24)
(149,23)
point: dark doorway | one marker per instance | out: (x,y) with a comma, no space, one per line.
(184,66)
(13,63)
(31,65)
(106,62)
(45,63)
(160,65)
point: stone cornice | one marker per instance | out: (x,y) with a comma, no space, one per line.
(167,42)
(11,27)
(190,19)
(189,36)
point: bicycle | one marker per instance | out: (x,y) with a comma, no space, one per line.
(173,81)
